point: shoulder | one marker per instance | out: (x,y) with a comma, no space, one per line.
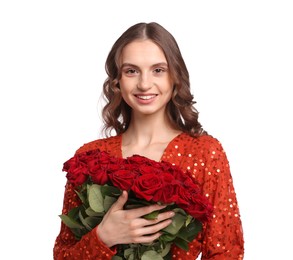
(204,145)
(202,141)
(104,144)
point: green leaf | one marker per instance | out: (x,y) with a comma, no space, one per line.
(95,197)
(190,232)
(110,191)
(183,234)
(89,211)
(181,211)
(81,196)
(152,215)
(188,220)
(116,257)
(84,222)
(69,222)
(177,222)
(129,253)
(131,257)
(78,233)
(92,222)
(181,244)
(167,237)
(108,202)
(73,213)
(166,250)
(151,255)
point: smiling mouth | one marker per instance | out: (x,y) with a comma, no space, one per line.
(146,97)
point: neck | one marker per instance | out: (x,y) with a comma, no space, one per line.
(147,129)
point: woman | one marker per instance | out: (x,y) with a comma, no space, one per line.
(150,107)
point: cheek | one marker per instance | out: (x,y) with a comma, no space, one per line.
(169,92)
(126,85)
(125,97)
(123,88)
(125,94)
(167,86)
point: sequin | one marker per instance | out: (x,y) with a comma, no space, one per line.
(207,163)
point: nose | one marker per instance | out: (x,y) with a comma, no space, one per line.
(145,82)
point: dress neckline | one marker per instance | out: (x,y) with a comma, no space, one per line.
(119,137)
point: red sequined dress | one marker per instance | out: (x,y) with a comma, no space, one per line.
(204,157)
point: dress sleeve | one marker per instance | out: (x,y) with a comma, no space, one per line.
(89,247)
(222,235)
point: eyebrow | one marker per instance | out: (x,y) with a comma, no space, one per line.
(160,64)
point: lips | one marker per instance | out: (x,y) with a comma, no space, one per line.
(145,97)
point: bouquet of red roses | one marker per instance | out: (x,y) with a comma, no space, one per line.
(100,179)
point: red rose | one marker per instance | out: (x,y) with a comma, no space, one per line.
(168,167)
(137,159)
(98,172)
(122,179)
(77,170)
(116,165)
(179,174)
(168,193)
(148,179)
(145,186)
(199,208)
(184,198)
(98,167)
(155,164)
(148,169)
(101,164)
(104,158)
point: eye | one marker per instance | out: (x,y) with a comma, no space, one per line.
(130,71)
(159,70)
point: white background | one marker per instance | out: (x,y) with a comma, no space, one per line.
(52,53)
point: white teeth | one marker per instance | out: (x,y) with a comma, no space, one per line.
(146,97)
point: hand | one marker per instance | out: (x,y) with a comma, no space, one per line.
(127,226)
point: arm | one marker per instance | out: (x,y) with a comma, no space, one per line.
(89,247)
(223,235)
(132,229)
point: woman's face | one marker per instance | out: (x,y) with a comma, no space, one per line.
(145,83)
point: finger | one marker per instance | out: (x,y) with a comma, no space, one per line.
(157,227)
(118,205)
(161,217)
(139,212)
(153,229)
(147,239)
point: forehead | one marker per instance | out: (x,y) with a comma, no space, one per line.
(142,52)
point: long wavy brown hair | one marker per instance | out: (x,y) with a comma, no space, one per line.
(180,109)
